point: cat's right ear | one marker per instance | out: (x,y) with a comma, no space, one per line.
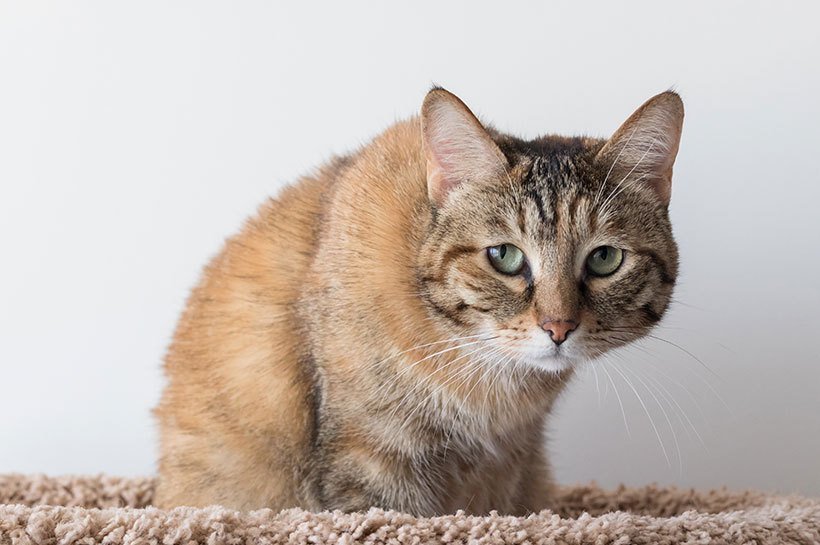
(643,150)
(457,147)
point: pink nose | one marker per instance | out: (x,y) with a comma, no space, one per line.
(558,329)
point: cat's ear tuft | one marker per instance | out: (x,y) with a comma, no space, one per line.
(457,147)
(643,149)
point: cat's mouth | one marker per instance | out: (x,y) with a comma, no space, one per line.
(537,348)
(546,356)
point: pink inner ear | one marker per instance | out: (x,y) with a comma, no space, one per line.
(443,165)
(457,146)
(450,158)
(444,150)
(438,185)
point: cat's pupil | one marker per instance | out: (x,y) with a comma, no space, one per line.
(502,251)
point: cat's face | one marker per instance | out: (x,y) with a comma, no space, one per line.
(552,251)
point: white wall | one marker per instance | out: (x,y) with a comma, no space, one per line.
(134,136)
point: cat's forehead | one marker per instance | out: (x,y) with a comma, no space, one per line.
(555,209)
(555,186)
(554,174)
(547,145)
(553,165)
(549,194)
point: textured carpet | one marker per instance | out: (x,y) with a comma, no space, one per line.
(87,510)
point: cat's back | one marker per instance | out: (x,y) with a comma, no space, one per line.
(238,394)
(239,417)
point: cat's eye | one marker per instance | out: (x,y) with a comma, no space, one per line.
(506,259)
(604,260)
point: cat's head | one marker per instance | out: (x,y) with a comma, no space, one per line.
(554,250)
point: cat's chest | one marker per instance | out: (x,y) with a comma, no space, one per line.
(472,469)
(478,481)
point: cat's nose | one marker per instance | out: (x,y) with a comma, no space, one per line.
(558,330)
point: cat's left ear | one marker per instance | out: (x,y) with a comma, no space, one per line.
(457,147)
(643,149)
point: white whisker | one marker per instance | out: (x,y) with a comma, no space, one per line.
(646,410)
(628,174)
(612,167)
(663,411)
(618,395)
(682,412)
(423,381)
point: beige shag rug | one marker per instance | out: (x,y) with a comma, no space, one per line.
(109,510)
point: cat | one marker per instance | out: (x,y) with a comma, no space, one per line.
(393,330)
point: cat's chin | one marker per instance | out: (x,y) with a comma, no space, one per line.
(552,363)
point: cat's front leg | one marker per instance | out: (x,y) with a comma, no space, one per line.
(536,487)
(356,479)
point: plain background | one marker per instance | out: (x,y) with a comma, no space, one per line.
(135,136)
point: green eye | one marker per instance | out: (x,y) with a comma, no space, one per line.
(604,260)
(506,258)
